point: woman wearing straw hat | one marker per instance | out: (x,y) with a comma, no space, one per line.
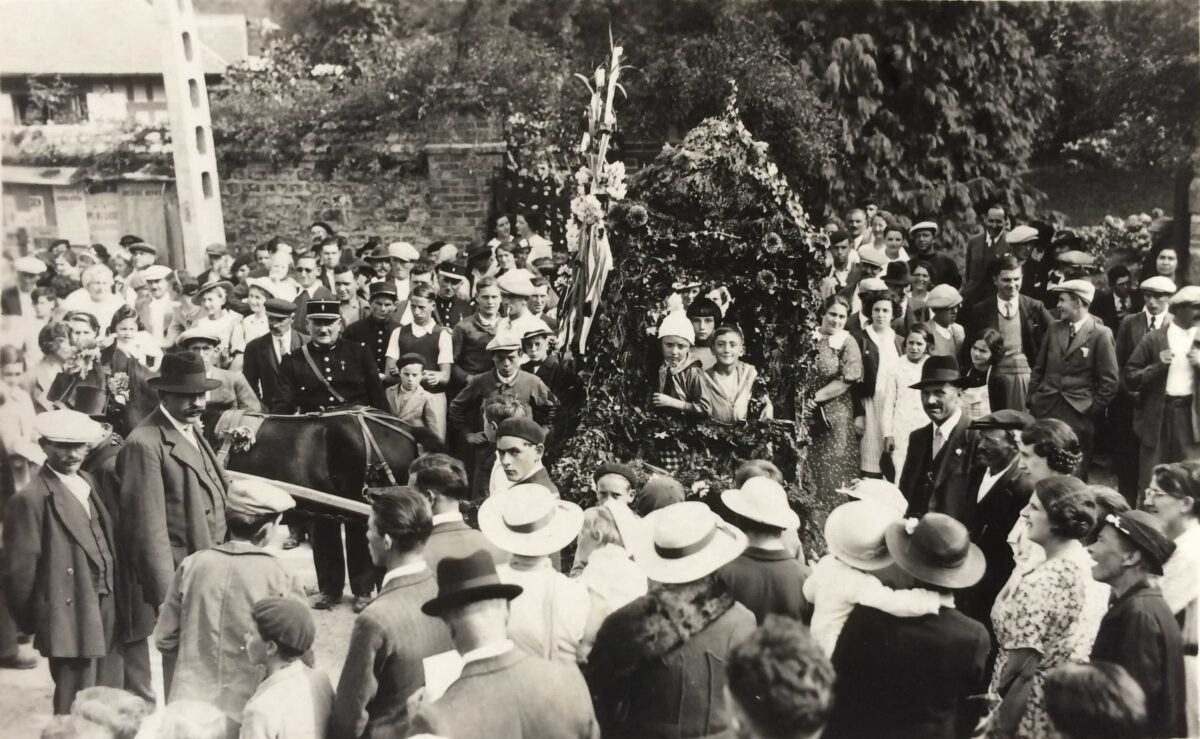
(912,676)
(651,669)
(529,522)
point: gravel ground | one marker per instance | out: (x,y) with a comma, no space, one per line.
(25,695)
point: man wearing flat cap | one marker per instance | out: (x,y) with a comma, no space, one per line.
(1075,375)
(264,355)
(997,490)
(59,549)
(1162,371)
(923,237)
(18,299)
(1139,632)
(208,611)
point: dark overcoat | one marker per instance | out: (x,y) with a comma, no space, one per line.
(939,484)
(53,570)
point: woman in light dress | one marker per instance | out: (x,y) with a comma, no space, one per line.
(902,411)
(881,351)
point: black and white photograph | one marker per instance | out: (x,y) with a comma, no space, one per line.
(600,369)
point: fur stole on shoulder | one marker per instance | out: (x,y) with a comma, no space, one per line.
(658,623)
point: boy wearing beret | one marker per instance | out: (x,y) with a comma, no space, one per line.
(203,622)
(294,700)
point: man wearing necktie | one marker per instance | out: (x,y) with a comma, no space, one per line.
(1162,371)
(59,544)
(307,272)
(937,468)
(173,488)
(265,354)
(1122,414)
(1075,376)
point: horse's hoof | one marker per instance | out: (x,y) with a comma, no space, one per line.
(326,602)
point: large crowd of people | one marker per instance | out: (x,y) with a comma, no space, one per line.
(970,582)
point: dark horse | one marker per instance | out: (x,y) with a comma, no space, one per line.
(338,452)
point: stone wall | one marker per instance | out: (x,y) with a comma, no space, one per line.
(434,186)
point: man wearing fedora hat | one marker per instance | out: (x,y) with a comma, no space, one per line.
(503,691)
(173,490)
(1075,375)
(912,676)
(59,560)
(937,468)
(765,577)
(1162,371)
(1139,632)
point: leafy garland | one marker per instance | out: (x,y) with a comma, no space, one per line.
(716,210)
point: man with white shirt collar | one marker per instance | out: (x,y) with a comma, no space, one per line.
(392,636)
(997,492)
(58,544)
(443,480)
(156,309)
(937,467)
(173,488)
(1075,376)
(1122,414)
(18,299)
(1162,371)
(502,691)
(401,256)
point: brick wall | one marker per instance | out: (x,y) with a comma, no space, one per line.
(439,189)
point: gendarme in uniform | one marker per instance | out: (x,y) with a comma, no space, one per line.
(322,375)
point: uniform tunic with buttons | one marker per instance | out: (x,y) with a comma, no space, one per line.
(346,366)
(373,334)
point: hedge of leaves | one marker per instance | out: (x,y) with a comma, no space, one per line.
(716,210)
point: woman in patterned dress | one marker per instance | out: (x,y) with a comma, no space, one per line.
(1037,616)
(832,459)
(879,342)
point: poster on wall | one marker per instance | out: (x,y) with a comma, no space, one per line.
(70,206)
(104,217)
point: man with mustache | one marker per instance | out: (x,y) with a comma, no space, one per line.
(173,491)
(937,470)
(324,374)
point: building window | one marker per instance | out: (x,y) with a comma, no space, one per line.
(50,101)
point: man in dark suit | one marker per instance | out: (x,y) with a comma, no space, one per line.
(1118,301)
(375,330)
(913,677)
(443,479)
(938,466)
(173,489)
(843,275)
(391,637)
(923,237)
(982,248)
(58,545)
(502,691)
(310,289)
(448,307)
(997,491)
(1075,375)
(18,299)
(1162,371)
(1020,319)
(260,363)
(1121,422)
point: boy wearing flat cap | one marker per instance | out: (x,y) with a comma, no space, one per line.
(1139,632)
(58,549)
(208,611)
(293,700)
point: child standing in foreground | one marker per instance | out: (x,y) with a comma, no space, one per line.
(294,700)
(412,403)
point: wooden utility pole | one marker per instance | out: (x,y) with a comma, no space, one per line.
(191,132)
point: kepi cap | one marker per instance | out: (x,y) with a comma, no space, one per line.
(322,309)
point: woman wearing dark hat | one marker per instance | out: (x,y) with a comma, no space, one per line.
(1038,618)
(911,677)
(651,669)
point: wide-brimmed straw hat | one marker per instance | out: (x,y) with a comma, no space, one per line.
(877,491)
(183,372)
(763,500)
(856,531)
(528,520)
(463,580)
(937,550)
(687,542)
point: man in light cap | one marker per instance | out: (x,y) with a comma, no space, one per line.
(1162,371)
(58,549)
(18,299)
(1075,375)
(401,256)
(923,237)
(465,415)
(156,309)
(209,607)
(516,287)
